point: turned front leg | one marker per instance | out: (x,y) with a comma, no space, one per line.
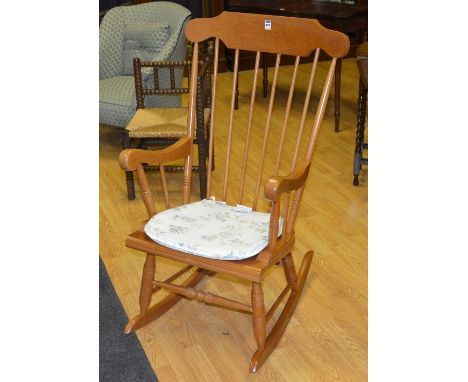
(290,271)
(258,315)
(146,290)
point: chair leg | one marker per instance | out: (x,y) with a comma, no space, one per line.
(147,313)
(125,142)
(258,319)
(358,151)
(146,288)
(273,338)
(290,271)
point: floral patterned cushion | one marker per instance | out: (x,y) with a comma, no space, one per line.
(211,229)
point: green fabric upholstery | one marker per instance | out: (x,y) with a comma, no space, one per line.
(117,102)
(144,41)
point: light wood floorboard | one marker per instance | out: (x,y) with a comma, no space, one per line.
(327,337)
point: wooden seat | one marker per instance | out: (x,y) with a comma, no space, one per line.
(161,123)
(283,174)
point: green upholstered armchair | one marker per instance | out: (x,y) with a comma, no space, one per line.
(151,31)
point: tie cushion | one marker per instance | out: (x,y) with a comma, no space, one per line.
(211,229)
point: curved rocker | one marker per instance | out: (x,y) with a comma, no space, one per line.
(266,346)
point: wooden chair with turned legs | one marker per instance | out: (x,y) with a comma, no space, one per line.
(216,236)
(150,127)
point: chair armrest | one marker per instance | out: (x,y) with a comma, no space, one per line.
(129,159)
(277,185)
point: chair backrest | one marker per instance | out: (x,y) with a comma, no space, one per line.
(280,36)
(170,70)
(111,32)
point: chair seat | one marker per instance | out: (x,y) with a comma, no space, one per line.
(211,229)
(160,122)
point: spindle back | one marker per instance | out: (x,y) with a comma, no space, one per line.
(281,36)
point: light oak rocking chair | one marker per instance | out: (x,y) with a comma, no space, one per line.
(213,235)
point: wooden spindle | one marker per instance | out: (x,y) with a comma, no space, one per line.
(249,126)
(205,297)
(138,83)
(146,191)
(320,110)
(191,125)
(156,77)
(274,225)
(305,108)
(289,227)
(212,117)
(172,75)
(286,116)
(231,119)
(164,184)
(285,212)
(173,277)
(265,135)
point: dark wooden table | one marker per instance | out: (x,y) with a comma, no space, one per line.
(359,160)
(346,18)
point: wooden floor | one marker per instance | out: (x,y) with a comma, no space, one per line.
(327,337)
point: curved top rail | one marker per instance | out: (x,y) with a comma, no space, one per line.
(268,33)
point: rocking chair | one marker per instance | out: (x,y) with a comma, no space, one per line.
(215,235)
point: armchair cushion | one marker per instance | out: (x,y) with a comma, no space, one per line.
(143,40)
(117,101)
(211,229)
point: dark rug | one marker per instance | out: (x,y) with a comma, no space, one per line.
(121,357)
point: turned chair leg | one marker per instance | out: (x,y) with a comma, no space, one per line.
(290,272)
(146,289)
(267,344)
(125,142)
(358,151)
(258,318)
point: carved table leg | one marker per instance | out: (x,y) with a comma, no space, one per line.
(265,74)
(125,142)
(337,94)
(362,101)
